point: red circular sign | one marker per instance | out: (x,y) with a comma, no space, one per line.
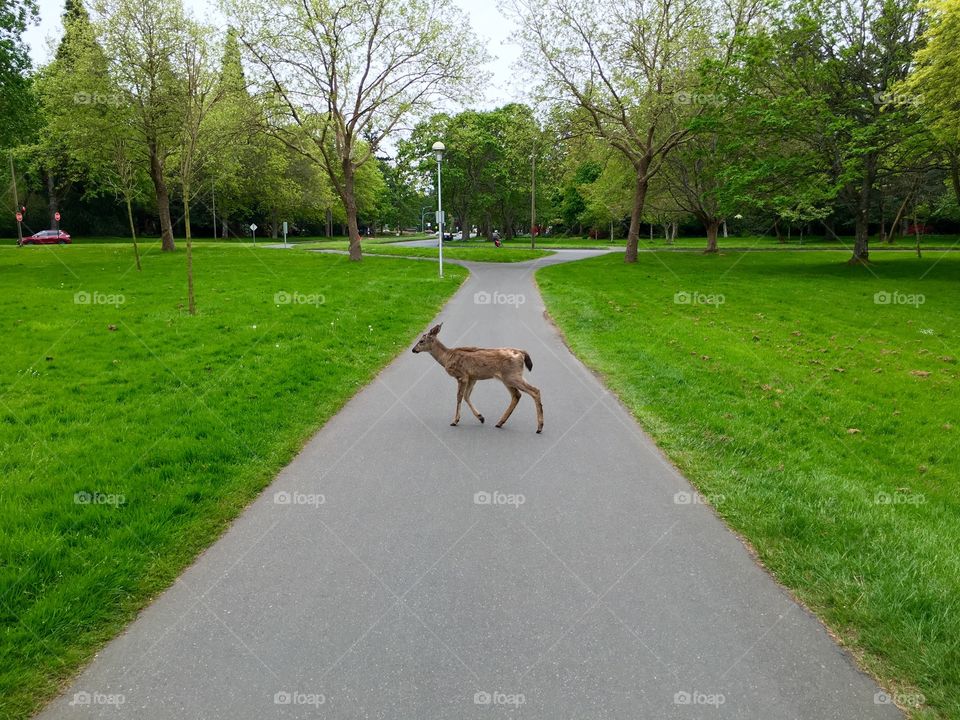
(57,216)
(19,217)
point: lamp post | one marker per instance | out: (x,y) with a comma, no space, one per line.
(438,148)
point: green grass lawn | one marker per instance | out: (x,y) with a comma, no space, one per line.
(131,432)
(756,242)
(478,252)
(828,424)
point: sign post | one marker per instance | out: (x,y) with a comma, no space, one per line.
(285,233)
(253,229)
(16,201)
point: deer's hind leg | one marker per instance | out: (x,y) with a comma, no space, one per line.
(466,396)
(514,399)
(533,392)
(461,387)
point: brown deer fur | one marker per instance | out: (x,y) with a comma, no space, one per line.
(469,364)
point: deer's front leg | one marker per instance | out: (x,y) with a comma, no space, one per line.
(461,387)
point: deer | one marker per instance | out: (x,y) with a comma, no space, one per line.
(469,364)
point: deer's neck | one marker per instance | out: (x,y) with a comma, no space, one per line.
(440,352)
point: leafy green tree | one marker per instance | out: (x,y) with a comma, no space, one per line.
(94,144)
(143,41)
(348,72)
(933,87)
(622,66)
(826,72)
(15,97)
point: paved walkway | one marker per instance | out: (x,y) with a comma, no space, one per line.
(371,580)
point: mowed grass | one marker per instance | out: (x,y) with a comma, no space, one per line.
(753,242)
(131,432)
(476,252)
(825,425)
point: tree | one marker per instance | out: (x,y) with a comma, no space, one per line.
(94,144)
(15,16)
(142,39)
(623,66)
(829,70)
(201,92)
(348,72)
(933,88)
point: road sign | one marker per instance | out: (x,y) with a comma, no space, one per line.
(56,216)
(19,217)
(253,227)
(441,217)
(284,227)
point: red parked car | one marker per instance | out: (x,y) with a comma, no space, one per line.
(47,237)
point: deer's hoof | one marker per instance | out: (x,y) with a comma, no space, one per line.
(480,418)
(538,431)
(499,425)
(453,424)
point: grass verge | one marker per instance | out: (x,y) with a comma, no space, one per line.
(818,403)
(131,433)
(477,253)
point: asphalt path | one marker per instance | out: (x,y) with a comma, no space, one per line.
(403,568)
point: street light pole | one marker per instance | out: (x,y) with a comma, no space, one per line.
(533,200)
(438,148)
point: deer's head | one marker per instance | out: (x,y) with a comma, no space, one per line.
(426,342)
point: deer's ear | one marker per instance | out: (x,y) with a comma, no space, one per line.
(435,330)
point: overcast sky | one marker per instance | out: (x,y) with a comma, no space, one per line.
(490,28)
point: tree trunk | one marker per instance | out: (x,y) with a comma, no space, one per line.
(916,231)
(776,227)
(163,200)
(329,223)
(275,221)
(955,173)
(133,231)
(713,226)
(861,242)
(224,227)
(639,198)
(191,304)
(350,204)
(52,200)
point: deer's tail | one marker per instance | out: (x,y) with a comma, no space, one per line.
(527,361)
